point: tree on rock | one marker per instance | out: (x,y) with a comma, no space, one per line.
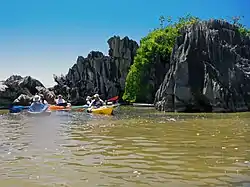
(158,44)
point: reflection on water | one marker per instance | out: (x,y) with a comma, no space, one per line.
(134,148)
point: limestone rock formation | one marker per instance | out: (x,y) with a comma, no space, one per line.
(23,100)
(98,73)
(209,70)
(20,90)
(48,95)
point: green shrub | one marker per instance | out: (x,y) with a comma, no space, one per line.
(244,31)
(159,42)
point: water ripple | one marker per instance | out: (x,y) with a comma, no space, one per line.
(77,149)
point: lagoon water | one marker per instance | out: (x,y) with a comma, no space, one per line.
(135,147)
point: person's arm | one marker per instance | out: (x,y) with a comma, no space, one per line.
(91,104)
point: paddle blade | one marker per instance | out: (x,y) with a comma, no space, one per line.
(114,98)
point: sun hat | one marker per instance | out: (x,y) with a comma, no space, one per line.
(96,95)
(36,98)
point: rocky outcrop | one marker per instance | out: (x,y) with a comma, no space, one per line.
(98,73)
(23,100)
(20,90)
(209,70)
(48,94)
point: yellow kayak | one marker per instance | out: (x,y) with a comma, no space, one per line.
(102,110)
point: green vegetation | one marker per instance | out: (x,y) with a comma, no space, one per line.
(235,20)
(157,44)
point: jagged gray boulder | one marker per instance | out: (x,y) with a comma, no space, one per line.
(4,95)
(209,70)
(98,73)
(23,100)
(48,95)
(20,90)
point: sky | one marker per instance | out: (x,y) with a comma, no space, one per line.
(42,38)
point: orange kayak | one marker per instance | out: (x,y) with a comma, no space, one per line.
(55,107)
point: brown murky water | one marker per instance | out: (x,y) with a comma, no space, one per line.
(134,148)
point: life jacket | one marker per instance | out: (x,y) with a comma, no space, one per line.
(60,101)
(97,103)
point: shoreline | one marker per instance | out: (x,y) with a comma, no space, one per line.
(4,110)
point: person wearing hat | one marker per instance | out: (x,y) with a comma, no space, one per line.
(36,105)
(97,102)
(60,101)
(36,98)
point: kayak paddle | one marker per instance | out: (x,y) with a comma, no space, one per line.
(114,98)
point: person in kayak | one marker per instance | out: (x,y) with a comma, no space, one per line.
(97,102)
(60,101)
(36,105)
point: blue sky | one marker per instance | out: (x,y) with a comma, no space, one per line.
(42,38)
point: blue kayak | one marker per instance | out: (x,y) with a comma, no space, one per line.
(34,109)
(38,110)
(17,109)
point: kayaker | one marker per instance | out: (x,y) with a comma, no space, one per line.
(89,100)
(60,101)
(36,105)
(97,102)
(36,96)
